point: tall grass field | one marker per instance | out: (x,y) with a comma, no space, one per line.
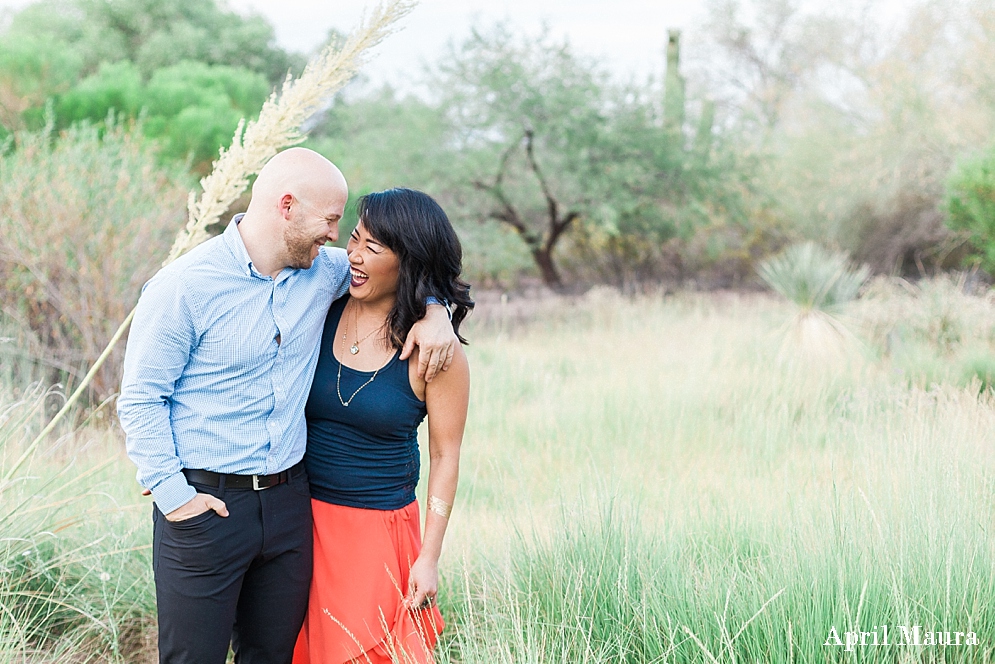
(648,479)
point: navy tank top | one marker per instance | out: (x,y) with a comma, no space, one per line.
(364,455)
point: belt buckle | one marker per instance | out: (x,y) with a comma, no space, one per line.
(255,484)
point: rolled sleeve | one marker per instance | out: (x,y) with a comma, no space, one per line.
(337,263)
(162,337)
(173,492)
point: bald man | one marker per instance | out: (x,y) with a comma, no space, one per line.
(216,374)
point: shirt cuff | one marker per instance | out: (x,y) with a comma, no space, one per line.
(173,493)
(431,299)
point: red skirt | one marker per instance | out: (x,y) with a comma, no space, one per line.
(362,559)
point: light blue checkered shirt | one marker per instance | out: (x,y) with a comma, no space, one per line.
(206,385)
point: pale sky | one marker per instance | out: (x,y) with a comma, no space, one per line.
(626,35)
(629,35)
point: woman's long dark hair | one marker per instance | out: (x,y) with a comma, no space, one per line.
(413,226)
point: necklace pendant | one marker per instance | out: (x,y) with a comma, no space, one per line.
(354,349)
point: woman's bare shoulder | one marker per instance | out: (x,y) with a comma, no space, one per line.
(457,376)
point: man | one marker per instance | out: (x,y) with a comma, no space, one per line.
(217,371)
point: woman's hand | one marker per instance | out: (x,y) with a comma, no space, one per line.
(423,584)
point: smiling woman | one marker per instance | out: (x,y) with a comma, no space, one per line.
(372,575)
(366,255)
(415,229)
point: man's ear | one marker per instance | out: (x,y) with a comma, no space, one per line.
(286,202)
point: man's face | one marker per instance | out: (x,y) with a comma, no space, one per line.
(309,228)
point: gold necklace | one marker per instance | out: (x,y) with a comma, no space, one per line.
(354,349)
(338,379)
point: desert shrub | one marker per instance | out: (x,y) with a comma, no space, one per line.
(85,220)
(936,331)
(971,206)
(941,315)
(933,332)
(624,261)
(31,70)
(905,235)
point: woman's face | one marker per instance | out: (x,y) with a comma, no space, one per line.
(373,267)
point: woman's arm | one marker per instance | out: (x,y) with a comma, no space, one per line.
(446,399)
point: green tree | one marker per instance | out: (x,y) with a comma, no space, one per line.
(115,87)
(971,206)
(546,144)
(527,117)
(191,66)
(157,33)
(195,107)
(31,70)
(192,108)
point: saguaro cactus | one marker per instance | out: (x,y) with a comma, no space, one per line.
(703,139)
(675,104)
(673,90)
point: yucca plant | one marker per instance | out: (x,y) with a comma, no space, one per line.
(813,277)
(820,282)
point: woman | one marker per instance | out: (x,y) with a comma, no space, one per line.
(374,585)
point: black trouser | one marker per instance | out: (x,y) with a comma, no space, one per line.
(241,579)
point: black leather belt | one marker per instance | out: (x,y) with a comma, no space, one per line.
(255,482)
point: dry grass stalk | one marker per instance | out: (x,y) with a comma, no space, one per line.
(278,127)
(818,340)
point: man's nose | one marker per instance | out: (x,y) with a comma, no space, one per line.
(333,233)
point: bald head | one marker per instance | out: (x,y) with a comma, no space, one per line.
(303,173)
(297,201)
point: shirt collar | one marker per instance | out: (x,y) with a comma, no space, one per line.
(233,239)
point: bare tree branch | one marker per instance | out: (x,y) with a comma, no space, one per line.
(507,212)
(557,226)
(560,227)
(551,204)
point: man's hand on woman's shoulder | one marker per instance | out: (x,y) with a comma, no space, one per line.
(436,342)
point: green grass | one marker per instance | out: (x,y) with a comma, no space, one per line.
(643,480)
(74,559)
